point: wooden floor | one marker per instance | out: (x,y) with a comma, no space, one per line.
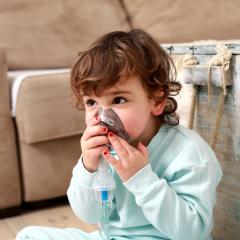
(60,216)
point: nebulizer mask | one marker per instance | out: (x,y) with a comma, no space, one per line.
(103,183)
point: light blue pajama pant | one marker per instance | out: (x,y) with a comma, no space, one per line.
(49,233)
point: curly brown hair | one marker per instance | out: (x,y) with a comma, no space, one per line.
(117,53)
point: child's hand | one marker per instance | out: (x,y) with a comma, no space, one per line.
(93,143)
(131,160)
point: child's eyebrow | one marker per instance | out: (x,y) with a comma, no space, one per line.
(119,92)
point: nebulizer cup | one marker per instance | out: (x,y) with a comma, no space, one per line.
(103,183)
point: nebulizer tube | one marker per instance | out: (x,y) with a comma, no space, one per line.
(103,183)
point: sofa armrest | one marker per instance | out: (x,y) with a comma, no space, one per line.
(4,89)
(43,111)
(9,170)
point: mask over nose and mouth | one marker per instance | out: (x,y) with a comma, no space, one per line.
(112,121)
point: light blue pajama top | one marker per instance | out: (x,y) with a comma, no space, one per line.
(170,198)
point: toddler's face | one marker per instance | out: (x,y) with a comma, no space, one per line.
(130,101)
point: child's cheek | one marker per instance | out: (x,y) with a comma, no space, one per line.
(132,127)
(89,117)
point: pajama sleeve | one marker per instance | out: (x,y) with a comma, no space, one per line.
(180,208)
(81,195)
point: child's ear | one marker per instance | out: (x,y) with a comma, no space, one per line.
(159,102)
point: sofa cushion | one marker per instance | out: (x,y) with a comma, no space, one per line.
(48,34)
(43,109)
(47,167)
(186,20)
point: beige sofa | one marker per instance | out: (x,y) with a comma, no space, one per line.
(39,40)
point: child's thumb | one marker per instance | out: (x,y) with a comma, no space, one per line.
(142,149)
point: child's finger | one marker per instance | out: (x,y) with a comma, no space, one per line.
(96,141)
(126,145)
(117,145)
(98,150)
(94,131)
(94,121)
(111,160)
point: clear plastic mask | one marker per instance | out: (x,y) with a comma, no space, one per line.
(112,121)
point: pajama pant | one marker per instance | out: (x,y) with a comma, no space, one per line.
(49,233)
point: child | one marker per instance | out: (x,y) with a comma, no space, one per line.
(166,176)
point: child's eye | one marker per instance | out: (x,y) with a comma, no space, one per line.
(119,100)
(90,102)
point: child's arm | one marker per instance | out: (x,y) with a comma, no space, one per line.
(80,193)
(179,206)
(81,196)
